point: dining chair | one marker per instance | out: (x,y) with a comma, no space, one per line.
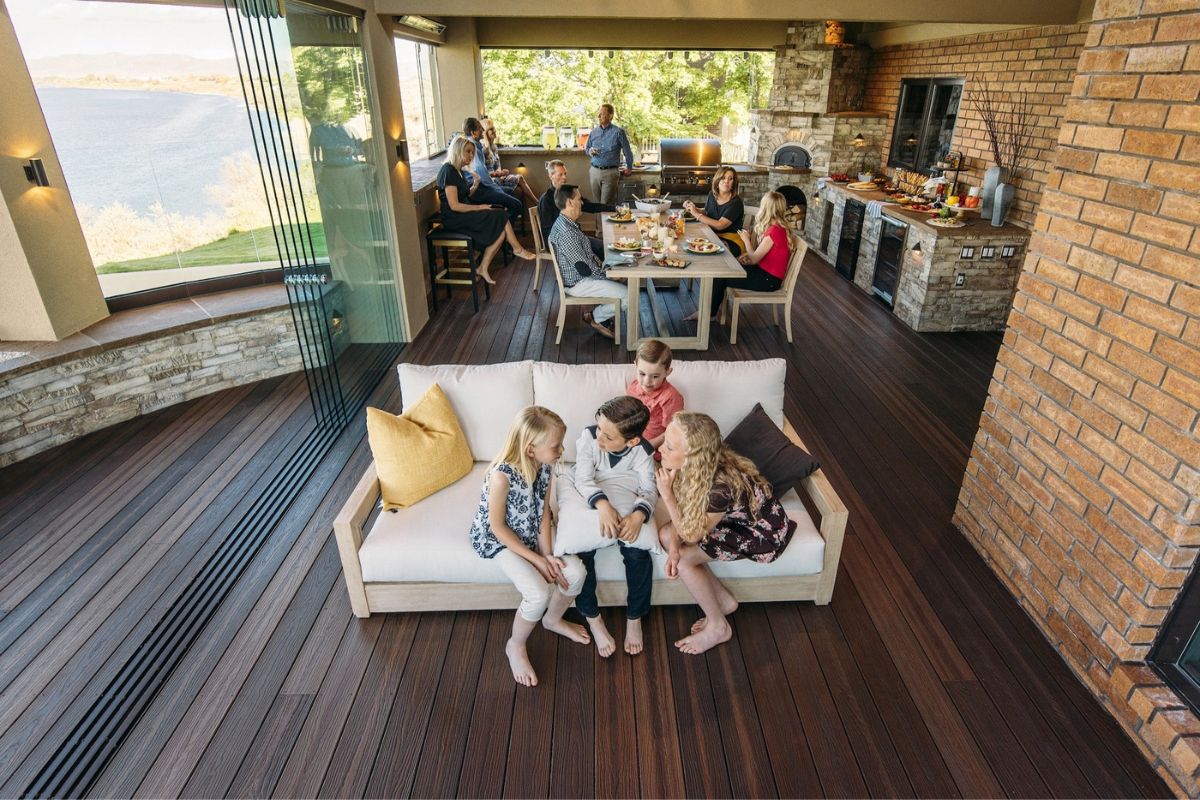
(736,298)
(539,247)
(565,300)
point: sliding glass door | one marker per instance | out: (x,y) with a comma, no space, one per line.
(305,79)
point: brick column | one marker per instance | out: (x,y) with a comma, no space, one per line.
(1083,488)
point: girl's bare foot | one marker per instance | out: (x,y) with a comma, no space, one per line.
(486,278)
(695,315)
(518,659)
(712,635)
(525,254)
(605,644)
(575,633)
(633,636)
(728,606)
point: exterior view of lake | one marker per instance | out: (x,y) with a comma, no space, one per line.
(144,147)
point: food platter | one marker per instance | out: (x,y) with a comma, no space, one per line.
(626,246)
(703,247)
(674,262)
(619,218)
(863,186)
(947,223)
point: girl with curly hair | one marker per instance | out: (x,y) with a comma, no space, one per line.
(722,509)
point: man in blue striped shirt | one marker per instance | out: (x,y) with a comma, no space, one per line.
(606,144)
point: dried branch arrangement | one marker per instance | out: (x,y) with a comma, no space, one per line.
(1009,121)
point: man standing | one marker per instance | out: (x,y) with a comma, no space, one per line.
(583,274)
(548,211)
(489,193)
(606,144)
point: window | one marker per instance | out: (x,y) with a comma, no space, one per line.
(925,120)
(417,66)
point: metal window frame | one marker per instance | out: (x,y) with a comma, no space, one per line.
(905,85)
(1180,628)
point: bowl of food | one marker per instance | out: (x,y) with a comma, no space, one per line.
(653,206)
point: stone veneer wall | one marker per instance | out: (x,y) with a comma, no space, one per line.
(54,404)
(1041,61)
(1083,487)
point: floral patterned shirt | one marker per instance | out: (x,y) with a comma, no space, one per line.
(523,510)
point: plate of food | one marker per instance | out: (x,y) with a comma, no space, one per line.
(704,247)
(862,186)
(624,245)
(838,177)
(619,217)
(920,207)
(674,262)
(939,222)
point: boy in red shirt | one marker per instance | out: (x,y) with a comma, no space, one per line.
(652,388)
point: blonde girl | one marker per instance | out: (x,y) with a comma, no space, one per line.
(722,509)
(769,246)
(512,525)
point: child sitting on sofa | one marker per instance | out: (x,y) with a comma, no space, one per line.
(511,525)
(650,385)
(614,472)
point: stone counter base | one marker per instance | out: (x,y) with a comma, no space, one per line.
(45,407)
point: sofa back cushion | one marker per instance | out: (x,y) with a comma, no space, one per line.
(728,390)
(485,398)
(575,392)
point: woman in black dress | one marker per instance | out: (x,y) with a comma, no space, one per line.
(488,227)
(724,211)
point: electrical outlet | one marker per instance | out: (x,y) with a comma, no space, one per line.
(960,279)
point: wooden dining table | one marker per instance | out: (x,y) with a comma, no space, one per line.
(703,268)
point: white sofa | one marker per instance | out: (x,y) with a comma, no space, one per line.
(419,558)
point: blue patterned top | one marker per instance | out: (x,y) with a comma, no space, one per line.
(523,511)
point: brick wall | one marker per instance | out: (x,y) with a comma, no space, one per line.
(1083,489)
(1041,61)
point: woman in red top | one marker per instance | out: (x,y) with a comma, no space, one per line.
(766,263)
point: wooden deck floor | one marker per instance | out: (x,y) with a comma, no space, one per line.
(922,678)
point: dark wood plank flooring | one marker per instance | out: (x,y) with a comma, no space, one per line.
(922,678)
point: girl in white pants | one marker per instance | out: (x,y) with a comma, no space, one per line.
(512,525)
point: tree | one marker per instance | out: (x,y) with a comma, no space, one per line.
(656,93)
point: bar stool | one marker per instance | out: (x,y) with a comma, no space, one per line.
(439,236)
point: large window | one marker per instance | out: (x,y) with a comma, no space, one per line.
(417,66)
(925,120)
(146,112)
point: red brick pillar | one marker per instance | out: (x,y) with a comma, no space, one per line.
(1083,488)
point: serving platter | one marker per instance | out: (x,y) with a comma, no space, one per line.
(705,248)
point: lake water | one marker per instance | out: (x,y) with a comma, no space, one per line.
(141,148)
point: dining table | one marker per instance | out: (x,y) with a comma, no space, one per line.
(702,267)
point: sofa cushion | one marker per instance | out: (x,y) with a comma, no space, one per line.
(428,542)
(579,524)
(575,392)
(485,398)
(779,460)
(728,390)
(419,452)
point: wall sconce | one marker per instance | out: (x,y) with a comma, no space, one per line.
(402,149)
(35,172)
(859,141)
(917,254)
(611,54)
(521,168)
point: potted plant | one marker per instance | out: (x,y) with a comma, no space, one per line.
(1009,122)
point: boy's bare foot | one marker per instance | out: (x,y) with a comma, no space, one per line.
(728,606)
(633,636)
(518,659)
(575,633)
(605,644)
(708,638)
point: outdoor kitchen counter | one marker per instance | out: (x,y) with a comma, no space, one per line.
(972,230)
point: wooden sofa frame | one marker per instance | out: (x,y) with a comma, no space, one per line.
(367,598)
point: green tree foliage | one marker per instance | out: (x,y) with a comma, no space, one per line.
(656,93)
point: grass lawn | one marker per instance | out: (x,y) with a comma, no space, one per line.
(237,248)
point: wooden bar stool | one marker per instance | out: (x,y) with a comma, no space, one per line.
(449,274)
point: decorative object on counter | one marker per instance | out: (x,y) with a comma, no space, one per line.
(549,137)
(1009,120)
(566,136)
(835,32)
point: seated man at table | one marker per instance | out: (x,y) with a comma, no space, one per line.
(583,273)
(548,210)
(489,193)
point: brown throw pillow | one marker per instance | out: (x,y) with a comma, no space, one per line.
(780,461)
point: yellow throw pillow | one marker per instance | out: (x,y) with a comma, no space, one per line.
(417,453)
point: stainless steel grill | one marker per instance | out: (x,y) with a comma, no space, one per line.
(688,164)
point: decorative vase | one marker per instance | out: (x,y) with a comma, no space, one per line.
(1002,202)
(991,179)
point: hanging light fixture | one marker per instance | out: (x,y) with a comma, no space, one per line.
(918,255)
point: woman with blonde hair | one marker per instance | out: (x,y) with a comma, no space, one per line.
(488,227)
(770,243)
(511,182)
(722,509)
